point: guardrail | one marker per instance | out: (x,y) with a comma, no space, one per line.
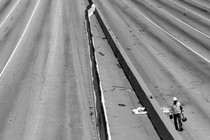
(162,124)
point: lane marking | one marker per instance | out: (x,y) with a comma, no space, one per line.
(191,11)
(10,13)
(35,120)
(201,4)
(168,33)
(20,40)
(180,20)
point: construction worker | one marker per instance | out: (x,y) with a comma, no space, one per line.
(176,110)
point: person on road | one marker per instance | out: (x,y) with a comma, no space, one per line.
(176,110)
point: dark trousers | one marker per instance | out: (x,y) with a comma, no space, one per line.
(178,121)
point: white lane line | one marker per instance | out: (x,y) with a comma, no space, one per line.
(180,20)
(168,33)
(191,11)
(205,6)
(38,114)
(19,40)
(10,13)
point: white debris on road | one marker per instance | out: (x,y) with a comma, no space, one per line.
(165,110)
(139,111)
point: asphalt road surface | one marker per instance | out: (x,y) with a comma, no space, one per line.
(45,81)
(168,41)
(46,90)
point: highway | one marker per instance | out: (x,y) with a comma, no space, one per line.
(45,80)
(168,42)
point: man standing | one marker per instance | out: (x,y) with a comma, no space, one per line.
(176,110)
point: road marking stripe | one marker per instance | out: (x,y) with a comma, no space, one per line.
(191,11)
(181,21)
(20,40)
(9,13)
(201,4)
(168,33)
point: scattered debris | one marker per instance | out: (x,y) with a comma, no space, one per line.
(122,89)
(119,66)
(113,89)
(129,90)
(139,111)
(165,110)
(121,105)
(101,53)
(151,97)
(91,113)
(118,87)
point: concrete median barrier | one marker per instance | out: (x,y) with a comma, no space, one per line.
(160,121)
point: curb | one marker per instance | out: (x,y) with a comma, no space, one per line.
(165,129)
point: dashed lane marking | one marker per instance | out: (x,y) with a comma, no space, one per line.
(168,33)
(20,40)
(191,11)
(181,21)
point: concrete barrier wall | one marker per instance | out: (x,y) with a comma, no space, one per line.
(160,121)
(100,114)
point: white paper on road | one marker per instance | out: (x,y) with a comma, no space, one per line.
(139,111)
(165,110)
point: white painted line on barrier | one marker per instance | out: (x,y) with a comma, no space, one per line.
(169,34)
(19,40)
(181,21)
(9,13)
(104,104)
(101,89)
